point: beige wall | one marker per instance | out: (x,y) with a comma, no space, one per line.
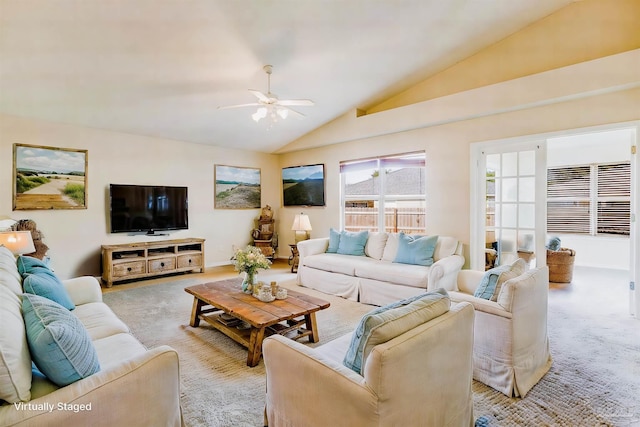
(75,236)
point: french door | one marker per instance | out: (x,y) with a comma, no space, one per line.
(509,196)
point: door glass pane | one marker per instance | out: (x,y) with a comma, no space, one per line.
(527,163)
(527,190)
(509,164)
(493,165)
(509,190)
(509,215)
(526,216)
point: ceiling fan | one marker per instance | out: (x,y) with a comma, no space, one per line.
(269,105)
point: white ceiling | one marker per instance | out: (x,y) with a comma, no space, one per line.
(162,67)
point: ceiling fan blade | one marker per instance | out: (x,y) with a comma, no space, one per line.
(261,96)
(292,112)
(300,102)
(253,104)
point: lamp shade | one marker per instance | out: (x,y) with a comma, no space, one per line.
(301,223)
(18,242)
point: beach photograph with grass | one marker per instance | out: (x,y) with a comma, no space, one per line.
(49,178)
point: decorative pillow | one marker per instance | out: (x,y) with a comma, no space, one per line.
(9,275)
(416,250)
(60,345)
(353,243)
(385,323)
(391,248)
(46,284)
(15,360)
(334,241)
(27,263)
(375,245)
(493,279)
(554,244)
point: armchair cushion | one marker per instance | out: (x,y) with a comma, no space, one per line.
(385,323)
(60,346)
(416,250)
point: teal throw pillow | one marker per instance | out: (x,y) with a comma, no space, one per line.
(355,356)
(353,243)
(334,241)
(27,263)
(554,244)
(416,250)
(46,284)
(60,346)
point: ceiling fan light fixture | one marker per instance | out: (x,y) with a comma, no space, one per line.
(260,114)
(283,113)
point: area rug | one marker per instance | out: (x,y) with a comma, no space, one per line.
(593,380)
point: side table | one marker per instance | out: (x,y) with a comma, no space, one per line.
(294,259)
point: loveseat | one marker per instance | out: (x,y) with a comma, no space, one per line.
(376,277)
(415,370)
(132,385)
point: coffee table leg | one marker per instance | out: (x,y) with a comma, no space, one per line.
(255,346)
(312,326)
(195,312)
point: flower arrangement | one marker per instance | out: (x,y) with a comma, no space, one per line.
(248,261)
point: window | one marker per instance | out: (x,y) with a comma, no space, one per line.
(590,199)
(384,194)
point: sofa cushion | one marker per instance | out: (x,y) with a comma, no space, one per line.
(402,274)
(352,243)
(493,279)
(337,263)
(375,245)
(9,275)
(334,241)
(15,360)
(46,284)
(60,346)
(391,248)
(385,323)
(416,250)
(99,320)
(446,246)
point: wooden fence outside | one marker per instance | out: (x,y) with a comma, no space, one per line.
(408,220)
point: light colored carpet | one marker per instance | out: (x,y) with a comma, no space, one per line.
(594,380)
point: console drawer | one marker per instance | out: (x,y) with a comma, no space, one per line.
(192,260)
(162,264)
(129,269)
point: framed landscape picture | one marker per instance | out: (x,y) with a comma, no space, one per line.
(236,187)
(49,177)
(303,185)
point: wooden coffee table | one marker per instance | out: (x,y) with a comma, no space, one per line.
(293,317)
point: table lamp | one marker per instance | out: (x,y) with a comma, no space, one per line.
(18,242)
(301,226)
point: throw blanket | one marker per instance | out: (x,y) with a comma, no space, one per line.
(487,286)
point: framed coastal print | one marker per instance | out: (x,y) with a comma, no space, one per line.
(303,185)
(236,187)
(49,177)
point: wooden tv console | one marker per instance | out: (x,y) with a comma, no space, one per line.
(150,259)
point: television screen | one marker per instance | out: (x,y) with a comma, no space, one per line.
(303,185)
(147,208)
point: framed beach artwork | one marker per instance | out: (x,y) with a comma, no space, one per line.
(236,187)
(49,177)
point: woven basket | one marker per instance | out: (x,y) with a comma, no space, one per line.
(560,265)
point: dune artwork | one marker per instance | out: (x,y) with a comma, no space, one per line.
(236,187)
(49,178)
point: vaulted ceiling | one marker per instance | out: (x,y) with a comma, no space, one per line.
(162,68)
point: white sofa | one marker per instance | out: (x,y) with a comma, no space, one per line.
(511,343)
(421,377)
(375,278)
(135,386)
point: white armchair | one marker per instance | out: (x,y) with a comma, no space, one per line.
(511,345)
(421,377)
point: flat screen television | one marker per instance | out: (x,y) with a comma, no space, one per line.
(150,208)
(303,185)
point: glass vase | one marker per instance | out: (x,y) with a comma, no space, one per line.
(250,279)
